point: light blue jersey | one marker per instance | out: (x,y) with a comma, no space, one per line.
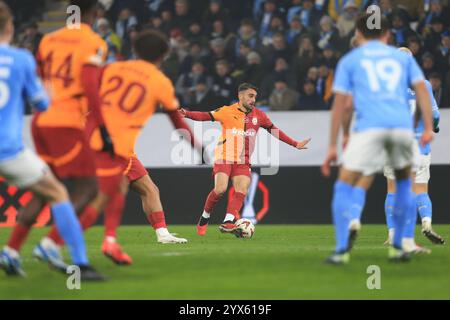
(18,82)
(418,130)
(378,76)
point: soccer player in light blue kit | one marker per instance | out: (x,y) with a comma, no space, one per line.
(20,166)
(421,178)
(377,77)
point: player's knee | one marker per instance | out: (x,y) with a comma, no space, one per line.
(92,189)
(220,190)
(58,193)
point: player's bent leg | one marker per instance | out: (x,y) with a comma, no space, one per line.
(241,183)
(221,180)
(65,219)
(153,209)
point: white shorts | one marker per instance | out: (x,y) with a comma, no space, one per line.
(24,170)
(422,169)
(369,151)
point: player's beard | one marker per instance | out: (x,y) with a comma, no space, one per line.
(248,106)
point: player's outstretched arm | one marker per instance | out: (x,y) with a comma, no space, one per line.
(424,101)
(337,110)
(280,135)
(179,123)
(196,115)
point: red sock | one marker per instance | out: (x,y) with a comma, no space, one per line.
(157,220)
(236,203)
(113,214)
(18,236)
(87,219)
(211,201)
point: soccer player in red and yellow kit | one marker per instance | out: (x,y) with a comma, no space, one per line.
(131,91)
(69,61)
(240,124)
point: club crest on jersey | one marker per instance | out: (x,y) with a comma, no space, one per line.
(255,121)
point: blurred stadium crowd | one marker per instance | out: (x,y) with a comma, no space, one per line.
(288,48)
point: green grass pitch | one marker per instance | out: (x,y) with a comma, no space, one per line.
(280,262)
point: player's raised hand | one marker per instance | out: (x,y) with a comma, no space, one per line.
(108,145)
(330,159)
(182,112)
(301,144)
(427,137)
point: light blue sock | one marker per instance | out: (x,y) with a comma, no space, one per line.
(411,219)
(342,200)
(424,206)
(358,203)
(70,230)
(403,203)
(389,210)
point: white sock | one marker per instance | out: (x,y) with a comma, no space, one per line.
(408,244)
(110,239)
(391,235)
(47,243)
(355,224)
(228,217)
(206,215)
(426,223)
(162,232)
(12,252)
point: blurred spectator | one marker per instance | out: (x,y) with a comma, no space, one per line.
(294,10)
(183,16)
(278,49)
(306,57)
(270,10)
(309,15)
(445,100)
(442,54)
(428,64)
(127,44)
(179,44)
(241,59)
(309,99)
(187,82)
(171,66)
(254,71)
(248,34)
(126,20)
(112,40)
(196,53)
(436,11)
(436,84)
(218,52)
(295,32)
(196,34)
(218,30)
(281,70)
(283,98)
(415,46)
(203,98)
(401,30)
(329,57)
(224,86)
(312,75)
(215,12)
(434,34)
(31,37)
(337,7)
(328,34)
(347,20)
(276,26)
(324,83)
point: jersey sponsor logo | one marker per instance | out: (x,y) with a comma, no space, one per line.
(248,133)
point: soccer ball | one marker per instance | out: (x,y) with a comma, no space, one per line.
(246,228)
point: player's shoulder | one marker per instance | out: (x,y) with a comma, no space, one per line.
(20,56)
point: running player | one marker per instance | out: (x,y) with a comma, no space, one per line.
(240,124)
(20,166)
(69,61)
(131,91)
(377,76)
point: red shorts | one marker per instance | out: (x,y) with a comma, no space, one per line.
(65,150)
(111,171)
(232,169)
